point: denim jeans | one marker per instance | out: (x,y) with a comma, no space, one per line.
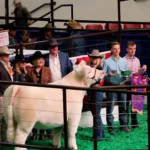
(121,98)
(99,99)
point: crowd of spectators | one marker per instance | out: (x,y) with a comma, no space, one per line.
(26,36)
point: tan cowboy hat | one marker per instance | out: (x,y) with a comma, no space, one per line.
(5,51)
(73,24)
(48,26)
(96,54)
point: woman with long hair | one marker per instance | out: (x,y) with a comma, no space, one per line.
(96,62)
(20,69)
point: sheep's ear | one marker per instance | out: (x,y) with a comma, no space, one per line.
(82,62)
(80,70)
(79,66)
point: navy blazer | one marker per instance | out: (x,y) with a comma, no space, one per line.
(4,76)
(65,63)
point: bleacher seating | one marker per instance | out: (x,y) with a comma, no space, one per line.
(94,27)
(146,26)
(112,26)
(132,26)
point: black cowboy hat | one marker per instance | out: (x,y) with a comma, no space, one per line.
(11,25)
(37,55)
(20,58)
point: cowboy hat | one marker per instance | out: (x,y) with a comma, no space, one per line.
(48,26)
(5,51)
(16,2)
(53,42)
(95,54)
(73,24)
(19,58)
(37,55)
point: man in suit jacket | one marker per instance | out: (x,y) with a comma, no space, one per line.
(5,75)
(58,62)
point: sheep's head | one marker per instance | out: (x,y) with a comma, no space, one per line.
(88,74)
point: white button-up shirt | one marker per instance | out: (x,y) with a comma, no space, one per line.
(55,68)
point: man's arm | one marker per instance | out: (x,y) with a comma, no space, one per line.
(28,15)
(143,68)
(69,64)
(105,67)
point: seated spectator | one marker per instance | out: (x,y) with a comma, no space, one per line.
(39,74)
(27,39)
(78,43)
(12,35)
(20,69)
(47,35)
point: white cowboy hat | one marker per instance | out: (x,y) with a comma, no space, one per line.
(5,51)
(16,2)
(95,54)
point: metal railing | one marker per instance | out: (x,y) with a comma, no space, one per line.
(41,6)
(116,89)
(64,5)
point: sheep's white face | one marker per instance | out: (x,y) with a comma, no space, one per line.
(90,74)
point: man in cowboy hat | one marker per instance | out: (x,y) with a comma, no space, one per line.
(5,75)
(46,35)
(21,12)
(77,43)
(58,62)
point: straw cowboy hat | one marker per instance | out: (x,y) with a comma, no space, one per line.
(5,51)
(16,2)
(48,26)
(96,54)
(73,24)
